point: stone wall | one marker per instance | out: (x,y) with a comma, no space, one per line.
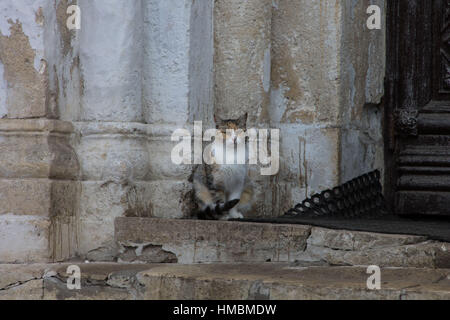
(39,172)
(362,80)
(88,114)
(327,84)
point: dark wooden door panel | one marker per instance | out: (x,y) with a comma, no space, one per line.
(418,105)
(441,63)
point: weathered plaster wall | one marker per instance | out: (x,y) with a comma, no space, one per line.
(305,65)
(363,69)
(161,80)
(201,62)
(105,100)
(327,82)
(111,36)
(38,187)
(177,89)
(65,78)
(242,43)
(242,66)
(304,102)
(110,138)
(38,191)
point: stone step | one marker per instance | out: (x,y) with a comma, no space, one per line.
(152,240)
(236,281)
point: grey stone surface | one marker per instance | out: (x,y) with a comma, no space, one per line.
(340,247)
(38,190)
(219,281)
(134,73)
(49,281)
(242,59)
(281,281)
(25,239)
(194,241)
(30,290)
(326,83)
(363,63)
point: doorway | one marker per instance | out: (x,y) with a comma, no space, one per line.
(417,103)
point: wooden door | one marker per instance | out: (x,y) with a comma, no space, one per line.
(418,106)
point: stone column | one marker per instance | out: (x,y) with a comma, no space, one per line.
(38,167)
(111,135)
(177,89)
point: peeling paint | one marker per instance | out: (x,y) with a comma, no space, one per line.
(26,90)
(39,18)
(145,252)
(30,14)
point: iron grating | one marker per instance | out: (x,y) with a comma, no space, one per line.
(359,197)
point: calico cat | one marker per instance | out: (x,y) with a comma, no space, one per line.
(222,191)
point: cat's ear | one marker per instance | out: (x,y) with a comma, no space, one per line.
(216,121)
(242,121)
(219,122)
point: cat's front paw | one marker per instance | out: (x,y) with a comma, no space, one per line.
(239,216)
(234,214)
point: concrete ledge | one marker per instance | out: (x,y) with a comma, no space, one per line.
(195,241)
(219,281)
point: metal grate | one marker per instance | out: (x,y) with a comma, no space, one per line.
(360,197)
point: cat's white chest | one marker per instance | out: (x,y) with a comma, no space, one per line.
(228,175)
(227,155)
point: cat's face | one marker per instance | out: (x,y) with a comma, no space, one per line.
(231,133)
(232,130)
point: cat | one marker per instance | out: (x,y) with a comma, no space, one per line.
(222,191)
